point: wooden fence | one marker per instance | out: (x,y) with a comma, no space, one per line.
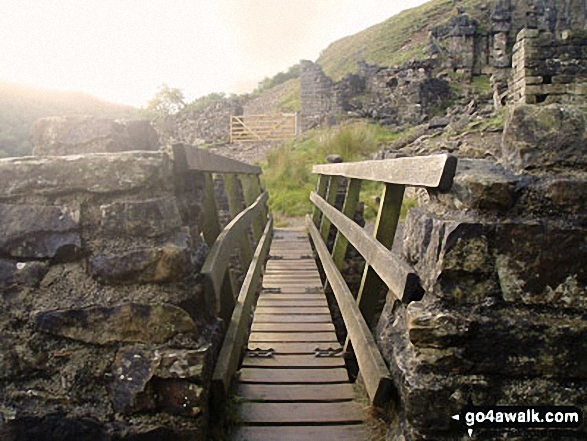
(268,127)
(382,269)
(231,305)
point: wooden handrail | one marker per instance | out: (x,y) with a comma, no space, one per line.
(435,171)
(235,338)
(397,274)
(372,367)
(188,158)
(384,271)
(216,264)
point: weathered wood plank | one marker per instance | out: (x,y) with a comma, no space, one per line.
(348,209)
(434,171)
(279,413)
(291,297)
(295,348)
(321,190)
(282,303)
(216,263)
(295,392)
(297,376)
(235,206)
(292,337)
(251,191)
(293,361)
(333,186)
(186,157)
(397,274)
(301,433)
(292,327)
(211,223)
(234,340)
(284,318)
(289,310)
(372,367)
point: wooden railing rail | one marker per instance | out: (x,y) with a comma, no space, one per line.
(382,269)
(219,286)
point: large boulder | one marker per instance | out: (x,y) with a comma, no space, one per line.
(93,173)
(131,322)
(59,136)
(544,138)
(38,231)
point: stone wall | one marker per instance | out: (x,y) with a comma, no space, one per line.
(319,101)
(548,69)
(502,258)
(106,334)
(409,94)
(208,125)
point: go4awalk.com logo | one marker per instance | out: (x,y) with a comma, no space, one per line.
(521,417)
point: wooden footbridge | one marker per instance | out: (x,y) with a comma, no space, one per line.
(285,365)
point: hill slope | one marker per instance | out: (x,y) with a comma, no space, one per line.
(21,106)
(396,40)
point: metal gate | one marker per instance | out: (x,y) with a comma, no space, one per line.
(267,127)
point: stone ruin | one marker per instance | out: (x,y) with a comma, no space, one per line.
(547,59)
(394,96)
(106,333)
(548,69)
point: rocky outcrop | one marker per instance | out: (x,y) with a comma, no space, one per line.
(57,136)
(106,332)
(501,257)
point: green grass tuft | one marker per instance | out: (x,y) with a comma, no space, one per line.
(288,176)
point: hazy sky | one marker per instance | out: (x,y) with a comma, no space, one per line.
(123,50)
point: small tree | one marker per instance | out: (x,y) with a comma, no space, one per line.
(167,101)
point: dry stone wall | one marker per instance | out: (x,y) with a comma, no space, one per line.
(548,69)
(209,125)
(106,334)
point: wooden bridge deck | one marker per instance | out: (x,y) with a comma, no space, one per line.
(293,379)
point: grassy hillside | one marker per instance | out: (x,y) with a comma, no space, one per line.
(396,40)
(21,106)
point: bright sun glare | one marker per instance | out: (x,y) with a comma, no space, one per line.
(122,51)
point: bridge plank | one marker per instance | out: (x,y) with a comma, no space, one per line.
(301,433)
(292,327)
(295,348)
(296,302)
(434,171)
(298,376)
(292,361)
(296,318)
(279,413)
(292,337)
(295,392)
(289,310)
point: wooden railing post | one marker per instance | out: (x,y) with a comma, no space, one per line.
(252,190)
(321,191)
(333,185)
(369,297)
(235,206)
(348,209)
(211,222)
